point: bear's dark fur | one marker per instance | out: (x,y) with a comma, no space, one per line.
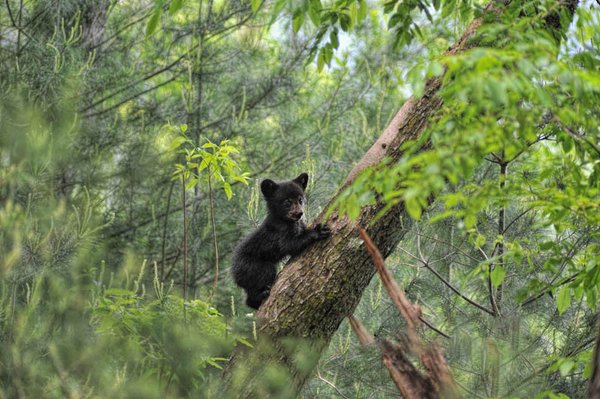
(282,233)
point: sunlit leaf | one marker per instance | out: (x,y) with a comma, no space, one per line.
(227,189)
(413,208)
(563,299)
(297,19)
(175,6)
(153,22)
(566,367)
(256,5)
(497,276)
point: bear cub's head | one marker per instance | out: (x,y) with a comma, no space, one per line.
(285,200)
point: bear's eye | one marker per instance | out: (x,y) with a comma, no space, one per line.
(300,200)
(287,202)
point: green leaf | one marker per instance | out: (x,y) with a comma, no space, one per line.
(203,165)
(256,5)
(333,37)
(314,16)
(498,92)
(545,246)
(480,240)
(497,276)
(345,22)
(591,297)
(563,299)
(153,22)
(436,69)
(213,363)
(453,199)
(327,53)
(352,207)
(320,61)
(297,20)
(567,144)
(243,178)
(314,11)
(191,183)
(276,9)
(227,189)
(245,342)
(362,10)
(177,142)
(175,6)
(566,367)
(470,221)
(413,208)
(578,292)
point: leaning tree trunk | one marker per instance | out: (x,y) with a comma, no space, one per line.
(317,290)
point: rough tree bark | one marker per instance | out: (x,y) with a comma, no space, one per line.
(316,291)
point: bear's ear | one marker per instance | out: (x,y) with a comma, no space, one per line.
(268,187)
(302,180)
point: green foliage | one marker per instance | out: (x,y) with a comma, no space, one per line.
(403,19)
(163,334)
(86,189)
(210,162)
(518,100)
(67,329)
(156,14)
(153,22)
(86,162)
(525,118)
(341,15)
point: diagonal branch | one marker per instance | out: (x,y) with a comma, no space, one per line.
(411,313)
(133,97)
(412,383)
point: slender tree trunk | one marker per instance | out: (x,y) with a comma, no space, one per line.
(185,240)
(594,385)
(316,291)
(213,225)
(94,17)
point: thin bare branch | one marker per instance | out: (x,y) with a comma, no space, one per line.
(185,240)
(410,312)
(425,263)
(409,380)
(117,105)
(437,330)
(548,289)
(319,376)
(456,291)
(576,136)
(164,234)
(520,215)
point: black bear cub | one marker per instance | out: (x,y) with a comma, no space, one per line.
(282,233)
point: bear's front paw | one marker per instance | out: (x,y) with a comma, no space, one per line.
(322,231)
